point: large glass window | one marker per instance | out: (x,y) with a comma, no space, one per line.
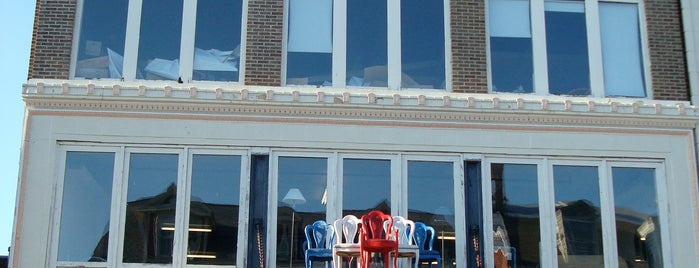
(217,40)
(213,210)
(86,206)
(431,201)
(578,216)
(621,50)
(422,44)
(150,208)
(637,217)
(302,199)
(566,45)
(511,60)
(516,225)
(102,34)
(309,46)
(569,62)
(210,38)
(367,43)
(159,40)
(366,186)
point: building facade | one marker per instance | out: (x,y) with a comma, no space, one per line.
(208,133)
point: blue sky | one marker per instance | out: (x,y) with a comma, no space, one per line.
(16,22)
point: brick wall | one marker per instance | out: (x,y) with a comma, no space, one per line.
(469,67)
(666,44)
(52,39)
(263,59)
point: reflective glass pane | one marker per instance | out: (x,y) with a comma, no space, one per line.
(367,43)
(309,46)
(367,186)
(159,40)
(637,220)
(511,60)
(566,48)
(150,208)
(431,201)
(422,44)
(578,218)
(102,35)
(87,195)
(302,200)
(308,68)
(213,210)
(217,40)
(516,235)
(621,50)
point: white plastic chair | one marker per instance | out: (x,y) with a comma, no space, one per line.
(347,228)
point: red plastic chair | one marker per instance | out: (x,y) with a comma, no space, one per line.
(375,240)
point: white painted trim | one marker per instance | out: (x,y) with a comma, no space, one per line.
(285,41)
(487,203)
(460,208)
(645,50)
(187,37)
(131,41)
(243,44)
(448,66)
(76,39)
(594,49)
(182,198)
(393,16)
(339,57)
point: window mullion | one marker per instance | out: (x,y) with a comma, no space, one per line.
(487,194)
(339,57)
(539,47)
(189,19)
(133,31)
(113,255)
(594,45)
(179,251)
(608,217)
(394,44)
(547,215)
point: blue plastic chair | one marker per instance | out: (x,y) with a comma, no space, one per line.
(425,242)
(320,236)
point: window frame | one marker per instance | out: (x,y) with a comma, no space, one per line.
(545,184)
(594,45)
(339,47)
(131,43)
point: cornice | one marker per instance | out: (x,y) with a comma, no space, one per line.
(435,107)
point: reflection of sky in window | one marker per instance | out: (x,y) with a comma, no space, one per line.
(104,22)
(218,27)
(520,184)
(161,28)
(566,48)
(367,43)
(309,175)
(87,191)
(367,183)
(216,179)
(151,174)
(634,190)
(430,186)
(573,183)
(422,42)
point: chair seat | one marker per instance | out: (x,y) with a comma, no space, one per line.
(407,251)
(347,250)
(379,244)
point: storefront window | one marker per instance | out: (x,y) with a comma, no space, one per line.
(87,192)
(302,200)
(367,186)
(516,223)
(213,210)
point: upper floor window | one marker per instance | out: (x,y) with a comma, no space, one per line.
(366,43)
(567,48)
(157,45)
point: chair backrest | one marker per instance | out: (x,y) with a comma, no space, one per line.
(405,228)
(373,225)
(421,237)
(320,234)
(348,228)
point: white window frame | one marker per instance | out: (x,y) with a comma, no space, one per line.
(339,43)
(119,195)
(131,42)
(547,224)
(594,45)
(58,200)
